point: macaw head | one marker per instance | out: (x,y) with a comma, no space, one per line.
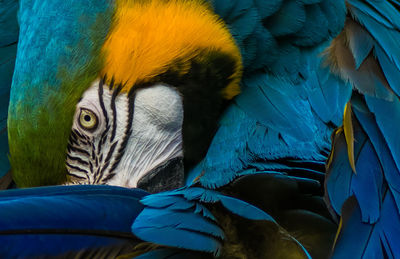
(121,93)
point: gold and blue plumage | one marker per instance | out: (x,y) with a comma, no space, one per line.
(271,143)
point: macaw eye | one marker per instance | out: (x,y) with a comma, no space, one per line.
(88,120)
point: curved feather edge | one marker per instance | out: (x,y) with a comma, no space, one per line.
(369,201)
(68,221)
(191,226)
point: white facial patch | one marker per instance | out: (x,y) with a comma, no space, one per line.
(156,134)
(133,134)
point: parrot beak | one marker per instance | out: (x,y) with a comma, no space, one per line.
(167,176)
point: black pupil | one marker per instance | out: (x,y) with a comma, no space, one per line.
(87,118)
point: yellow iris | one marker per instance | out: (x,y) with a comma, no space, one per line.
(87,119)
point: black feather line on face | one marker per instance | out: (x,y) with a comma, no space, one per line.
(107,161)
(128,131)
(81,135)
(76,176)
(77,169)
(77,150)
(78,160)
(103,138)
(101,100)
(114,111)
(103,108)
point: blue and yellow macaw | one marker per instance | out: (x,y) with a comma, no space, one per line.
(145,94)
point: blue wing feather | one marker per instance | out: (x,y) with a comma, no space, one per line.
(179,220)
(190,227)
(50,221)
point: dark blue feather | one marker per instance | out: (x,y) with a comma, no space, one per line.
(49,221)
(375,203)
(387,114)
(244,209)
(362,240)
(184,221)
(46,203)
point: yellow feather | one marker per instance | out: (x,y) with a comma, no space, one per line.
(349,134)
(148,37)
(330,158)
(338,231)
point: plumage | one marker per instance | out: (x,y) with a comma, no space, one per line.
(368,201)
(59,80)
(74,220)
(8,48)
(255,163)
(180,218)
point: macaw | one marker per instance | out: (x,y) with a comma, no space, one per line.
(139,94)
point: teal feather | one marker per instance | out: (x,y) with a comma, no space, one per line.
(267,8)
(288,22)
(71,33)
(313,32)
(9,31)
(275,119)
(283,23)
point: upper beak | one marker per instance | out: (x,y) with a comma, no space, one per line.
(167,176)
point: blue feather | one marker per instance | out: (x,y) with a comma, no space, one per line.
(314,29)
(286,21)
(244,209)
(8,23)
(391,172)
(363,240)
(386,114)
(390,71)
(374,186)
(8,48)
(49,221)
(283,22)
(361,45)
(245,24)
(386,37)
(195,228)
(184,221)
(267,8)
